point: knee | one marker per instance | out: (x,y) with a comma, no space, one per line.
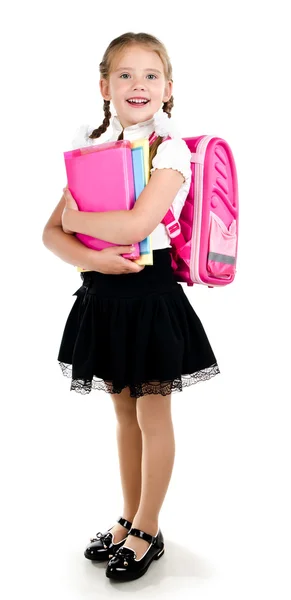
(125,408)
(153,424)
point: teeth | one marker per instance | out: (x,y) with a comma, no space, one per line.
(138,101)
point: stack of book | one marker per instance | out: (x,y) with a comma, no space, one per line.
(109,177)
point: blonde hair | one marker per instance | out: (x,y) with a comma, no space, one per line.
(113,50)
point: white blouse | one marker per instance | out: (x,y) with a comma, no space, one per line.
(171,154)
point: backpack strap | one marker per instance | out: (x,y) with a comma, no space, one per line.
(174,229)
(172,225)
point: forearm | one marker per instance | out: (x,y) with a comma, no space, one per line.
(67,247)
(118,226)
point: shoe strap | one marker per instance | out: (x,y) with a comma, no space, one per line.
(124,522)
(145,536)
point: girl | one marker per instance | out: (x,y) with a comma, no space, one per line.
(134,336)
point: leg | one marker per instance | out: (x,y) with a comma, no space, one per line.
(129,443)
(155,420)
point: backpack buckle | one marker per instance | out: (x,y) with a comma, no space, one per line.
(173,229)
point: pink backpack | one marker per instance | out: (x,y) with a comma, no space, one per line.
(204,240)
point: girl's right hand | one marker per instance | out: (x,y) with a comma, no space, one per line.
(110,262)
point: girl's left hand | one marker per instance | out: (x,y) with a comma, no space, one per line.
(71,204)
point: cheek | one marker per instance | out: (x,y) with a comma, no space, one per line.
(120,88)
(158,90)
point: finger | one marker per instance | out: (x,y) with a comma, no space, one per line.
(124,249)
(129,264)
(68,194)
(135,268)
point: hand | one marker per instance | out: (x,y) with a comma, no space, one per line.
(71,204)
(109,262)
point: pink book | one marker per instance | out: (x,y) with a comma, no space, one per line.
(100,179)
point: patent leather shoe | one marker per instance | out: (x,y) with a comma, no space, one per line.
(102,547)
(124,566)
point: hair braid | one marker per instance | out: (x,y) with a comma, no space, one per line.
(167,107)
(106,121)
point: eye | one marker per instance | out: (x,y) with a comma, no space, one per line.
(126,74)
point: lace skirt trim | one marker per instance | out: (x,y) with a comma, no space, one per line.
(163,388)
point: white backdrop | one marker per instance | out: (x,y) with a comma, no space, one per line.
(226,516)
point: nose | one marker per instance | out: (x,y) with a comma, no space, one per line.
(138,84)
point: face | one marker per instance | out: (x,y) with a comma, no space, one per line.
(137,73)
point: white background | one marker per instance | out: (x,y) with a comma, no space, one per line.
(226,516)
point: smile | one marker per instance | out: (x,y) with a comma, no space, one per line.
(137,101)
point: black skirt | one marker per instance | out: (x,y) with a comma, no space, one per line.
(135,330)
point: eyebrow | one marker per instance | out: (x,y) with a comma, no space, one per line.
(130,69)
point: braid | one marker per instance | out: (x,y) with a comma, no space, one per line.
(167,107)
(106,121)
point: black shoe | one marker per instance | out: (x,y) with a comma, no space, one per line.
(102,547)
(123,566)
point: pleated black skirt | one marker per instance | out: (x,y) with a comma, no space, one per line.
(137,330)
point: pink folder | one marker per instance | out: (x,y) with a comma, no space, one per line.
(100,178)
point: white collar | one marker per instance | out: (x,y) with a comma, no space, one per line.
(160,123)
(133,132)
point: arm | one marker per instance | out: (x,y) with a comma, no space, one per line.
(65,246)
(131,226)
(68,247)
(71,250)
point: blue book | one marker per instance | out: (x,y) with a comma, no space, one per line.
(139,185)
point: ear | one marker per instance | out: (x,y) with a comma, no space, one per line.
(168,91)
(104,89)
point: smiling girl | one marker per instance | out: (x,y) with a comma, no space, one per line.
(132,331)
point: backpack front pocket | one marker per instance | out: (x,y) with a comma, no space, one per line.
(221,256)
